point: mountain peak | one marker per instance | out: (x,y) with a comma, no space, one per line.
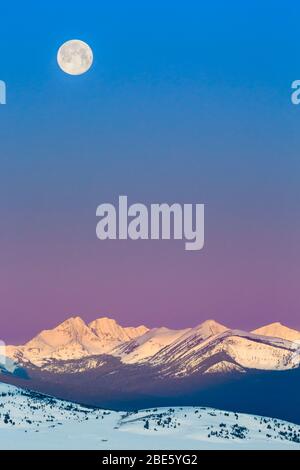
(108,327)
(102,321)
(278,330)
(210,327)
(275,324)
(73,321)
(211,322)
(73,339)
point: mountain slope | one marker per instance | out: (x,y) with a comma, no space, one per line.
(145,346)
(73,339)
(155,340)
(33,421)
(108,330)
(277,330)
(243,350)
(209,348)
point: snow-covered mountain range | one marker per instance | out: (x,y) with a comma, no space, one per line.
(105,364)
(74,339)
(30,420)
(209,347)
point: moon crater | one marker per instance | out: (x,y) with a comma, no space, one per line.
(75,57)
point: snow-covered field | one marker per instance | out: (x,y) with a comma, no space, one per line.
(33,421)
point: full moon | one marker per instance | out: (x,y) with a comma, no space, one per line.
(75,57)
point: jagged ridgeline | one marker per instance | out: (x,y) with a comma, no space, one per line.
(105,364)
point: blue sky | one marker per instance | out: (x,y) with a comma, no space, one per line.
(185,102)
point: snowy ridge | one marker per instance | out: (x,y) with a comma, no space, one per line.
(178,352)
(73,339)
(237,350)
(145,346)
(277,330)
(30,420)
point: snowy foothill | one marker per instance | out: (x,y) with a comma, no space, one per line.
(29,420)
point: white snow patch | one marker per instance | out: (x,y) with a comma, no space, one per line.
(33,421)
